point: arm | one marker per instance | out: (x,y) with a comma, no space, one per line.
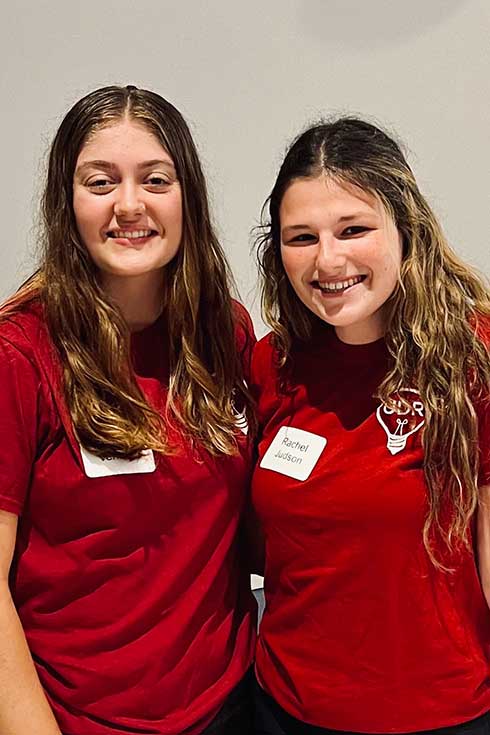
(23,705)
(483,540)
(253,541)
(260,372)
(24,709)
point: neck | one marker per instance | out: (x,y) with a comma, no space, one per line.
(139,298)
(362,333)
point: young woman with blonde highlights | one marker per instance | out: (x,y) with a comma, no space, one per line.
(373,476)
(123,471)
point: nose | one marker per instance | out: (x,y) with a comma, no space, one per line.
(128,202)
(330,255)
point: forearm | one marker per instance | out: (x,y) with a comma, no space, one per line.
(24,709)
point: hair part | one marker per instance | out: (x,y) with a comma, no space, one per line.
(433,330)
(111,416)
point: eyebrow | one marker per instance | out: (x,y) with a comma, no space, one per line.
(293,228)
(108,166)
(156,162)
(357,215)
(345,218)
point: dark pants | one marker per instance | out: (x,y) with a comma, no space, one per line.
(271,719)
(236,715)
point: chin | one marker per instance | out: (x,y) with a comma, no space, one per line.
(130,271)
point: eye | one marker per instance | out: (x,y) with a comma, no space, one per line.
(157,181)
(354,230)
(302,238)
(100,184)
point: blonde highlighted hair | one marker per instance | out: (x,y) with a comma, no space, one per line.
(433,316)
(110,414)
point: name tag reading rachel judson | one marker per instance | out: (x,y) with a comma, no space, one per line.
(97,467)
(293,452)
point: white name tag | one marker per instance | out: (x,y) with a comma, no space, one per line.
(293,452)
(97,467)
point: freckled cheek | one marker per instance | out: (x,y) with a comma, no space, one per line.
(84,223)
(79,210)
(172,216)
(295,265)
(385,277)
(177,215)
(90,216)
(91,226)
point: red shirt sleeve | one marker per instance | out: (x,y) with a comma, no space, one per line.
(20,385)
(263,376)
(245,337)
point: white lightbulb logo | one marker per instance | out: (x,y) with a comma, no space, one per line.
(402,422)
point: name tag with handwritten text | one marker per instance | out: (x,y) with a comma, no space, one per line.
(97,467)
(293,452)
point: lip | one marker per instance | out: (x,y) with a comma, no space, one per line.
(331,292)
(131,241)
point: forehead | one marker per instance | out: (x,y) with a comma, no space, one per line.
(326,195)
(125,139)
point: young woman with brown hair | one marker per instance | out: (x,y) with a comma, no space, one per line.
(123,471)
(373,476)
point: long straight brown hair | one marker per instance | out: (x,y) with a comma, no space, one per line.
(111,416)
(432,331)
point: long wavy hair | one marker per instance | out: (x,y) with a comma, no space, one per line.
(110,414)
(432,331)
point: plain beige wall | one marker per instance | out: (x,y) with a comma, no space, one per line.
(248,76)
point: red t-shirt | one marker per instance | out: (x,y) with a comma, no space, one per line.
(136,609)
(361,632)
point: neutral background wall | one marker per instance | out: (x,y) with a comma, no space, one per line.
(248,76)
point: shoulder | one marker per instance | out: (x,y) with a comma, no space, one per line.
(243,322)
(26,408)
(22,332)
(244,336)
(264,359)
(26,347)
(481,323)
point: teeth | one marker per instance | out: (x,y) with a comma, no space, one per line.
(133,234)
(339,285)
